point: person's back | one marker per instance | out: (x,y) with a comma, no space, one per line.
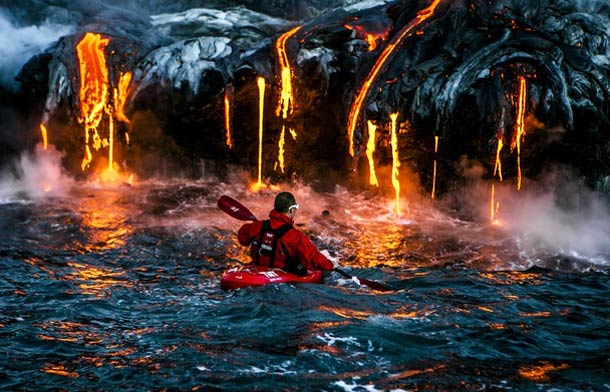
(275,243)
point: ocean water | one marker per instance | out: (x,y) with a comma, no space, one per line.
(117,288)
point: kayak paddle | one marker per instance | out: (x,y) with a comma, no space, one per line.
(239,211)
(235,209)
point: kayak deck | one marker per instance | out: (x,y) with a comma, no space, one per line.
(254,276)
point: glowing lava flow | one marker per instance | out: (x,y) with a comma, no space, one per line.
(43,134)
(498,164)
(494,206)
(227,103)
(432,194)
(285,104)
(93,92)
(395,160)
(520,126)
(120,96)
(261,110)
(362,95)
(370,149)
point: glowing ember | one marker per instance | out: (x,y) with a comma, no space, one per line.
(395,160)
(43,134)
(520,126)
(93,92)
(227,101)
(432,194)
(362,95)
(370,149)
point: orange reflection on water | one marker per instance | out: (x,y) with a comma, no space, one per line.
(95,281)
(69,331)
(417,372)
(400,314)
(535,314)
(513,277)
(377,242)
(540,372)
(105,218)
(59,370)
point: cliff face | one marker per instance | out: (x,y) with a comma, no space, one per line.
(524,83)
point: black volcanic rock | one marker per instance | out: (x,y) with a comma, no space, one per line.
(454,76)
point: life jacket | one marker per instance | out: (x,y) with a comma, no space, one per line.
(268,251)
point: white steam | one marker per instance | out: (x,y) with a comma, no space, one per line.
(574,222)
(38,175)
(19,44)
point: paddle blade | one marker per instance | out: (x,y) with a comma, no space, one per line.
(375,285)
(371,284)
(235,209)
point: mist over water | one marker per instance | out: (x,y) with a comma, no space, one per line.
(36,175)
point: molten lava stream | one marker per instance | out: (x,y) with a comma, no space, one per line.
(227,105)
(285,104)
(494,206)
(395,160)
(362,95)
(370,150)
(93,92)
(260,81)
(520,126)
(432,194)
(43,134)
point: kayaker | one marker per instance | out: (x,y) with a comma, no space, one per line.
(276,243)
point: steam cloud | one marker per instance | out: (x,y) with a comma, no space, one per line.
(38,174)
(19,44)
(566,218)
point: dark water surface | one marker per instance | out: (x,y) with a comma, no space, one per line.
(118,289)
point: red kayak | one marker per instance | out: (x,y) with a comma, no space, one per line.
(254,276)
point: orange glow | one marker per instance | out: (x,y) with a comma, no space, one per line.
(43,134)
(520,125)
(395,160)
(370,149)
(261,110)
(363,92)
(432,194)
(286,102)
(93,92)
(120,96)
(227,102)
(540,373)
